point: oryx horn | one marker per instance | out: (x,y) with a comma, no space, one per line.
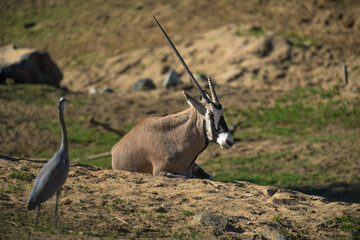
(213,93)
(184,64)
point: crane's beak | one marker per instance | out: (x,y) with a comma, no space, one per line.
(68,103)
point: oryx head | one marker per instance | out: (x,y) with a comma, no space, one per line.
(216,128)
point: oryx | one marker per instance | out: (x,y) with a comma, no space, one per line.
(169,145)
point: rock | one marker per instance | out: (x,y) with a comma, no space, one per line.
(144,84)
(101,91)
(220,222)
(28,66)
(92,91)
(161,210)
(105,90)
(171,80)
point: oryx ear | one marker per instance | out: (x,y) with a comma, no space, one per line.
(195,104)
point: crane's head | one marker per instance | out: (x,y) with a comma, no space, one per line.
(216,127)
(62,103)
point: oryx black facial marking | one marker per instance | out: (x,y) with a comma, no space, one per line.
(222,124)
(216,127)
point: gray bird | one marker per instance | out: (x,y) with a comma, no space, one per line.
(54,173)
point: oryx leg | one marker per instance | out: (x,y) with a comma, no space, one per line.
(198,172)
(161,172)
(172,175)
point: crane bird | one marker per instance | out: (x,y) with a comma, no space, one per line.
(54,173)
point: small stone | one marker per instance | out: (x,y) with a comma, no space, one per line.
(92,91)
(144,84)
(67,202)
(160,210)
(105,90)
(220,222)
(172,80)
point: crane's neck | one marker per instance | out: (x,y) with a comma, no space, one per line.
(64,143)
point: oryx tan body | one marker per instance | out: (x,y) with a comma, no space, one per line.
(162,144)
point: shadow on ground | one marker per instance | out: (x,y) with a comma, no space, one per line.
(343,192)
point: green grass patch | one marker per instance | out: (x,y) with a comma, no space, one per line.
(37,94)
(187,212)
(254,32)
(354,68)
(249,159)
(346,223)
(278,218)
(187,236)
(142,211)
(23,176)
(298,40)
(16,188)
(298,113)
(10,217)
(339,137)
(279,169)
(101,162)
(84,187)
(86,139)
(119,201)
(53,22)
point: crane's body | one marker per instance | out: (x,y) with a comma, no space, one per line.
(53,175)
(49,180)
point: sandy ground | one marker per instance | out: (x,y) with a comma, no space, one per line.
(105,203)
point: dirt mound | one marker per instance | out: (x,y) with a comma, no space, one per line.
(107,203)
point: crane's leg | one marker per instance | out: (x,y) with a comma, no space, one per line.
(55,210)
(37,215)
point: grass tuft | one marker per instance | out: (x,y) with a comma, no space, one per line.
(23,176)
(278,218)
(346,223)
(187,212)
